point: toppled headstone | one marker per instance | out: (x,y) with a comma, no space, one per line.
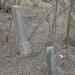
(24,44)
(51,61)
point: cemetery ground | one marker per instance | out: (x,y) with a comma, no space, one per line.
(11,63)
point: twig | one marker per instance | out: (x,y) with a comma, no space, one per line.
(9,30)
(55,19)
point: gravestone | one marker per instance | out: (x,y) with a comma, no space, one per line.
(51,61)
(24,44)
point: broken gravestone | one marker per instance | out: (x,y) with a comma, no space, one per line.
(24,44)
(51,61)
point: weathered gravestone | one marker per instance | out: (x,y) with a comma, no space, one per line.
(51,60)
(24,44)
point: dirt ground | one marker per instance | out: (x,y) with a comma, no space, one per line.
(13,64)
